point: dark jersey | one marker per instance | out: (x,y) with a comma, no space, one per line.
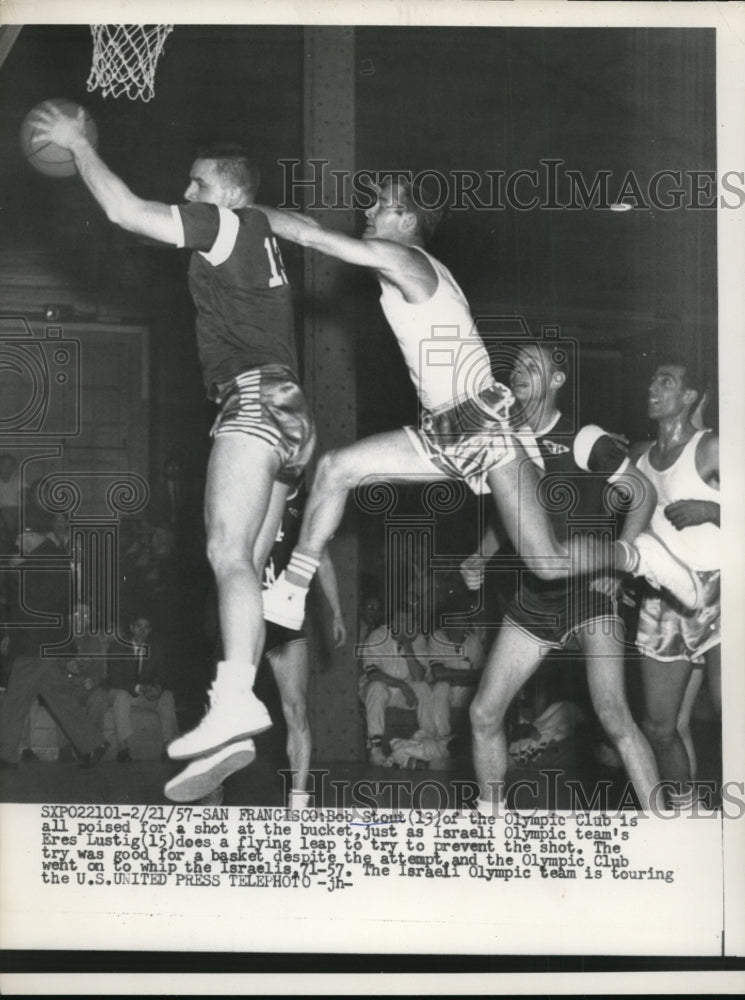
(287,536)
(240,290)
(578,466)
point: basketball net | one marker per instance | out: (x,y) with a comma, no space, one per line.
(125,57)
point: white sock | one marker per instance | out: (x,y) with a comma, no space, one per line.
(682,801)
(298,799)
(235,674)
(301,569)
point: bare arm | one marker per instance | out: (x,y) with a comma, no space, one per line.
(707,459)
(634,483)
(459,678)
(122,207)
(472,568)
(687,513)
(402,266)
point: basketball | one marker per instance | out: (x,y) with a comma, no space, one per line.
(47,157)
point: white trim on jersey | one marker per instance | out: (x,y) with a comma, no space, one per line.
(176,215)
(620,470)
(584,442)
(225,239)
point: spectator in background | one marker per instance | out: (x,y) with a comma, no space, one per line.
(456,657)
(87,669)
(393,675)
(34,674)
(371,616)
(136,682)
(10,501)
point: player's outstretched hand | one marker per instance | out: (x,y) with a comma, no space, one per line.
(64,130)
(613,586)
(608,585)
(339,631)
(472,570)
(685,513)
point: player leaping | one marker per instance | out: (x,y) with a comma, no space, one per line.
(465,430)
(263,435)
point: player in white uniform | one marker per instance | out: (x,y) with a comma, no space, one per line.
(465,430)
(683,465)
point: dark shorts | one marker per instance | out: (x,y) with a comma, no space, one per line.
(472,436)
(552,613)
(278,636)
(667,633)
(267,403)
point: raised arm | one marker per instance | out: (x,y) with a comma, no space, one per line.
(122,206)
(400,264)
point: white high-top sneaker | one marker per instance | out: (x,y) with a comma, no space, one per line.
(234,713)
(206,774)
(664,570)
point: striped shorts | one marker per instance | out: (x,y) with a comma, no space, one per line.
(267,403)
(471,436)
(667,633)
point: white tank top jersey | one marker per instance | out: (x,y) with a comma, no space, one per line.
(699,545)
(442,349)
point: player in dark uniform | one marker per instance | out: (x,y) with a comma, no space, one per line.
(545,614)
(263,435)
(287,650)
(287,654)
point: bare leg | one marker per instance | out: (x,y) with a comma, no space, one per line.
(514,657)
(263,546)
(683,724)
(239,494)
(664,686)
(384,456)
(290,667)
(605,677)
(515,489)
(240,478)
(714,676)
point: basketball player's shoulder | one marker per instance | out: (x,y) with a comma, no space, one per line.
(638,449)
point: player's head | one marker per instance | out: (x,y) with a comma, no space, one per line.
(140,628)
(538,373)
(400,213)
(676,388)
(223,175)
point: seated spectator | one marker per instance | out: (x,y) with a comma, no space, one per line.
(35,675)
(371,616)
(393,675)
(87,669)
(10,501)
(455,660)
(136,682)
